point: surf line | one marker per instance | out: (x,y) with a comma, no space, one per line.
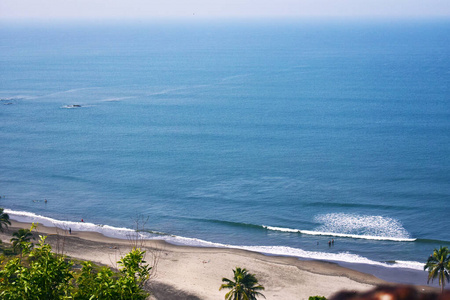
(344,235)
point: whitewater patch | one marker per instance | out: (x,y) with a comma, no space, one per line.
(299,253)
(334,234)
(355,226)
(106,230)
(363,225)
(336,257)
(126,233)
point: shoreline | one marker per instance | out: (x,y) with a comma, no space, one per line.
(187,272)
(342,257)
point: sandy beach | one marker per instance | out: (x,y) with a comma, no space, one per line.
(196,273)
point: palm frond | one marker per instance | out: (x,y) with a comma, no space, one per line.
(438,266)
(244,287)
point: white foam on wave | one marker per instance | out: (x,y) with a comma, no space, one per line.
(410,264)
(296,252)
(356,236)
(110,231)
(125,233)
(362,226)
(282,229)
(344,235)
(338,257)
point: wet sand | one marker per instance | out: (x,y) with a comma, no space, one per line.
(183,272)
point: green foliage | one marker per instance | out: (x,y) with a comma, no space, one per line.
(42,274)
(6,250)
(96,285)
(4,220)
(134,268)
(21,240)
(317,298)
(104,284)
(438,265)
(244,287)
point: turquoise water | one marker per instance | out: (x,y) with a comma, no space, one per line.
(274,137)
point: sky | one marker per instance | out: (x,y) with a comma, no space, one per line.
(219,9)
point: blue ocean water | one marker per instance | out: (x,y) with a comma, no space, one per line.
(270,136)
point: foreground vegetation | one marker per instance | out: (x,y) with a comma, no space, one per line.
(4,219)
(244,286)
(438,266)
(41,274)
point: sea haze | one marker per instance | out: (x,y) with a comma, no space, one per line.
(274,137)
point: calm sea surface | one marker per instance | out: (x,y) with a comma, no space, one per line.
(274,137)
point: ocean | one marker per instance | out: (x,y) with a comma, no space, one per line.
(272,136)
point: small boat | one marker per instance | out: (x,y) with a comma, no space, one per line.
(72,106)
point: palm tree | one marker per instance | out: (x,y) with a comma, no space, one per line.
(244,287)
(20,238)
(438,266)
(4,220)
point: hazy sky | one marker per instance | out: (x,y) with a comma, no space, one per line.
(150,9)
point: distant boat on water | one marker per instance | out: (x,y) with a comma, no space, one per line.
(72,106)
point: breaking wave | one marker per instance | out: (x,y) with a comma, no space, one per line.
(124,233)
(355,226)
